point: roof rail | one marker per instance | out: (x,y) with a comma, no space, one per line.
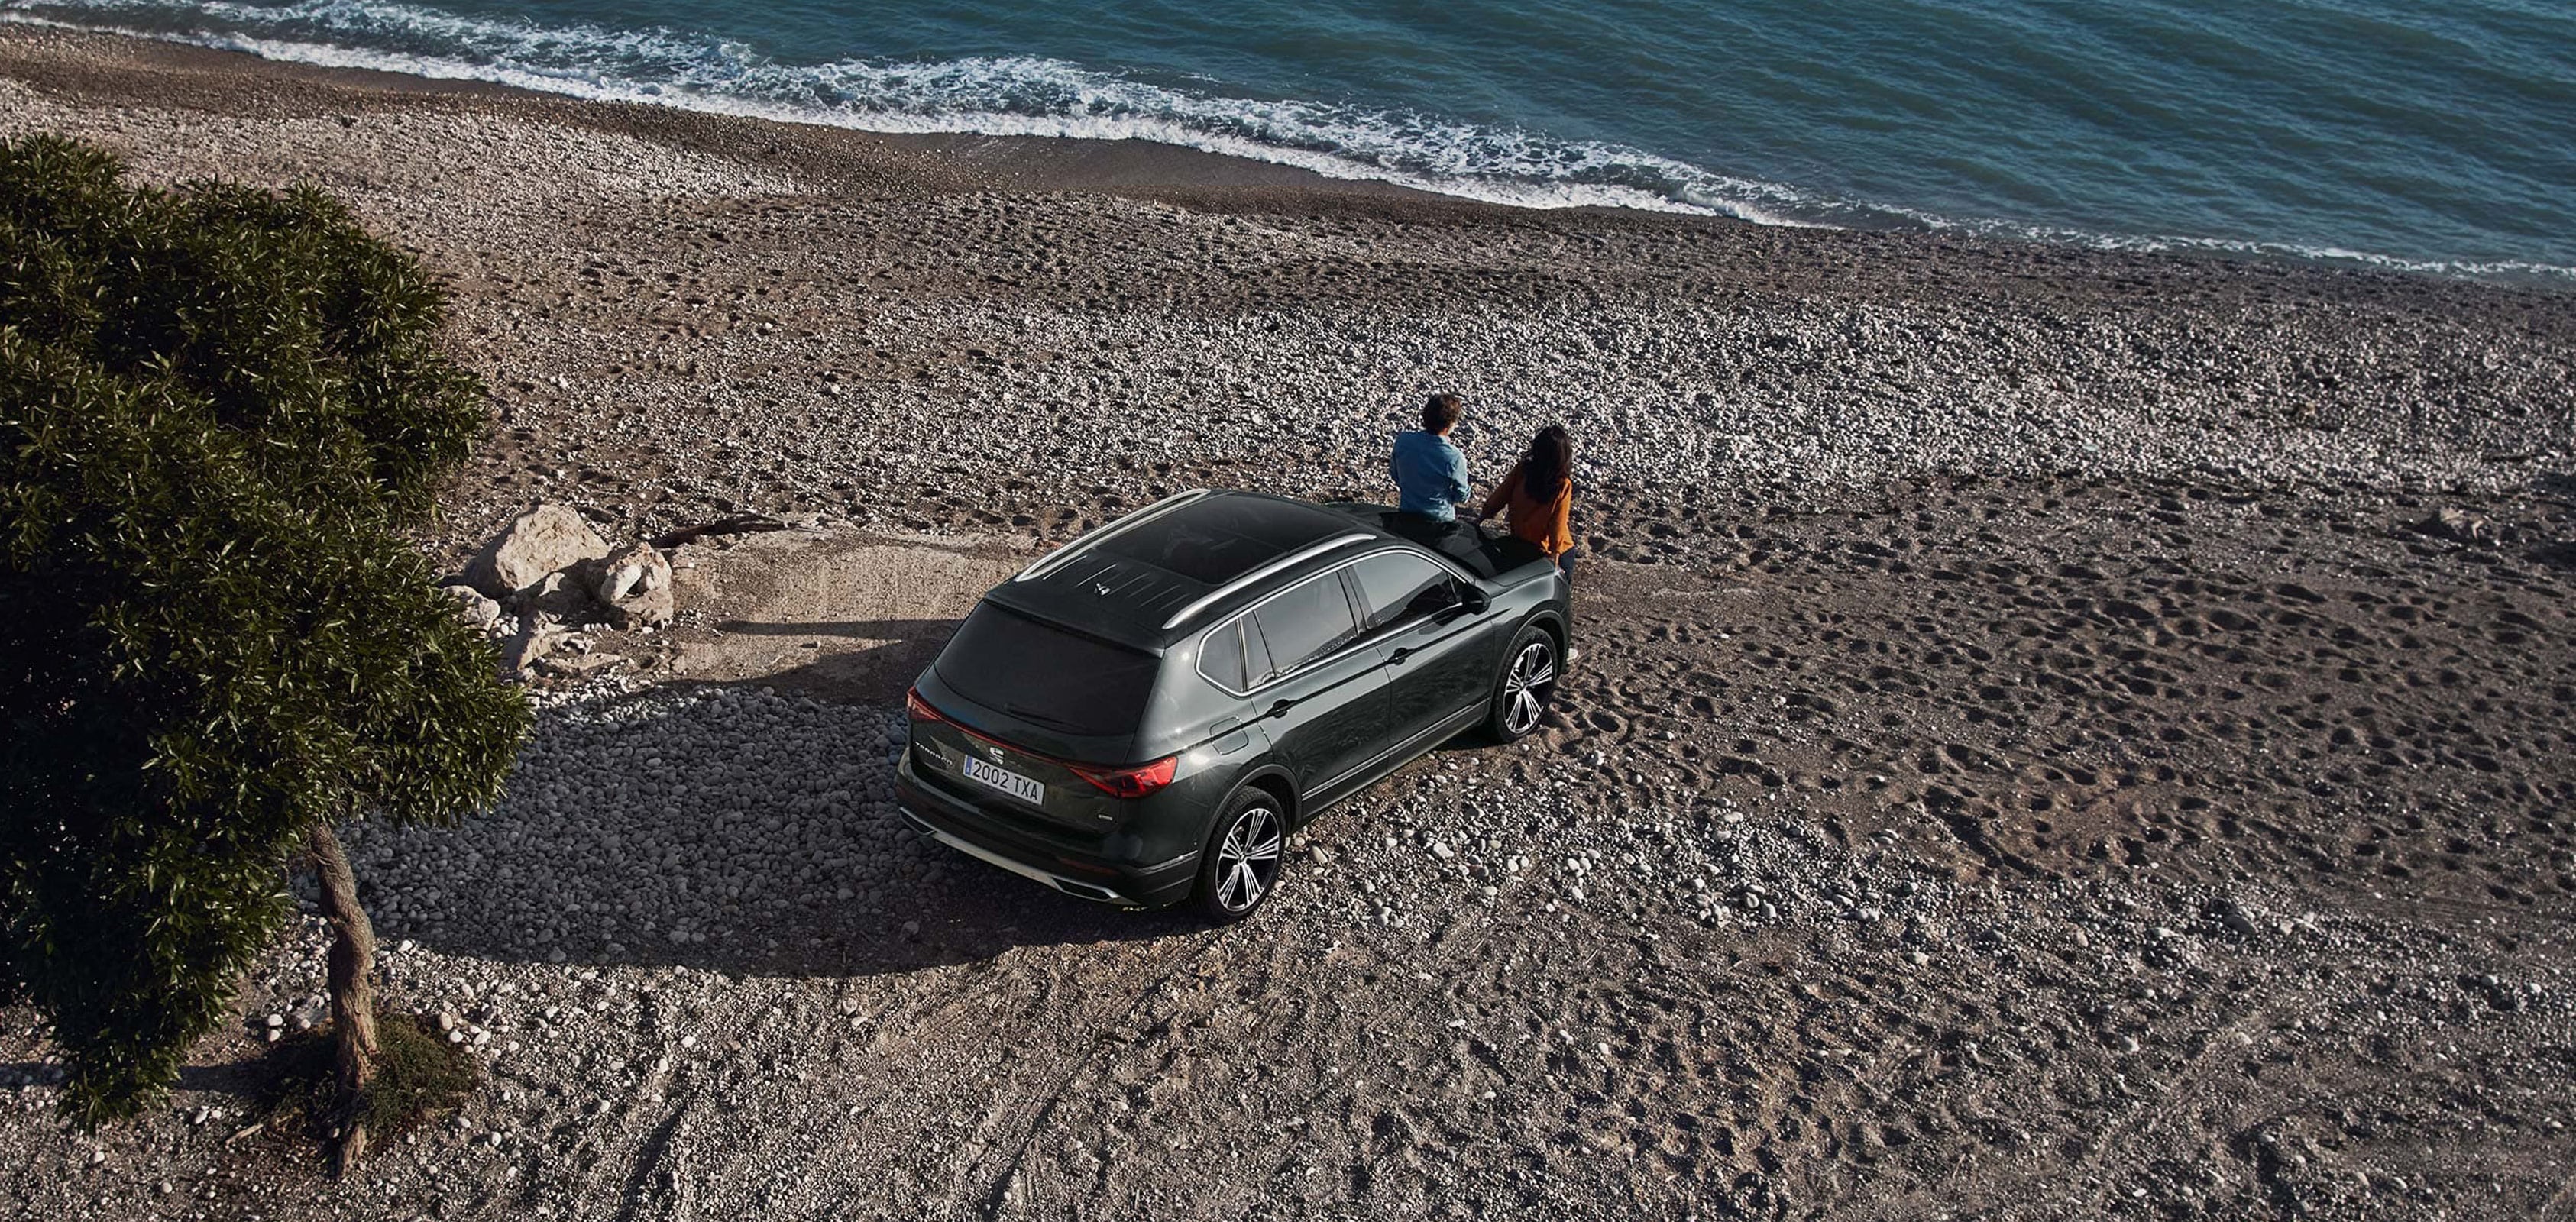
(1284,562)
(1087,542)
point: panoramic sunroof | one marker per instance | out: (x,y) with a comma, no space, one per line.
(1221,538)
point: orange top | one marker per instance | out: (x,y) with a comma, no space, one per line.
(1544,525)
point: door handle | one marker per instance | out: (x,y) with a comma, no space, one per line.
(1397,658)
(1280,707)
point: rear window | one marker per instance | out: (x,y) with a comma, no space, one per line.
(1045,675)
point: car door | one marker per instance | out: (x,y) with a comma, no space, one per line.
(1436,652)
(1323,692)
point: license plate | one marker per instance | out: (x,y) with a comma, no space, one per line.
(1024,788)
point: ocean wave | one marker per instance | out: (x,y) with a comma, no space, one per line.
(1031,96)
(985,95)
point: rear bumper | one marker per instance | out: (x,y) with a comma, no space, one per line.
(959,825)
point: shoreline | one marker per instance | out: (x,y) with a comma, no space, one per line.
(1140,164)
(224,75)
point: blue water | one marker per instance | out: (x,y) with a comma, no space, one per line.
(2430,135)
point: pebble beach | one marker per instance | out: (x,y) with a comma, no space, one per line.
(2061,733)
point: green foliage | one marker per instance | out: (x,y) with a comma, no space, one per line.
(217,405)
(419,1076)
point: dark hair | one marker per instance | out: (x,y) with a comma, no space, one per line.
(1547,464)
(1440,412)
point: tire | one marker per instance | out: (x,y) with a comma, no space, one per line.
(1245,850)
(1524,686)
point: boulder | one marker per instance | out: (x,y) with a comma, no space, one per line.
(477,610)
(633,586)
(543,540)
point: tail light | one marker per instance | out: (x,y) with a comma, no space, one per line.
(920,708)
(1131,782)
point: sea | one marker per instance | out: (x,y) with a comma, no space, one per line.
(2433,136)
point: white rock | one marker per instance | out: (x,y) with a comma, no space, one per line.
(543,540)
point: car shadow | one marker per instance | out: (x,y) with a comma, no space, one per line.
(736,827)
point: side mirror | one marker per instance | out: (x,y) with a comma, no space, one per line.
(1472,599)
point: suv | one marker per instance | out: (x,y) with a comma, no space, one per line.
(1142,716)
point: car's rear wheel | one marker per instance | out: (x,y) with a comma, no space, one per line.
(1527,683)
(1240,868)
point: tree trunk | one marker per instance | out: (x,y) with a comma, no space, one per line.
(353,992)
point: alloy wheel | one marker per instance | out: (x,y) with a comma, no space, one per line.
(1247,861)
(1526,687)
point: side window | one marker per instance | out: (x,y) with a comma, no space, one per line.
(1234,657)
(1221,659)
(1306,622)
(1396,586)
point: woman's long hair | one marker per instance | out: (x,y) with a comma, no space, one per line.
(1548,463)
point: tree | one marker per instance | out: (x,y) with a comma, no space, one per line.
(218,408)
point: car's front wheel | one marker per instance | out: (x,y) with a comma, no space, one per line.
(1527,683)
(1240,868)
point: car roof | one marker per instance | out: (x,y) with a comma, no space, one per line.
(1165,571)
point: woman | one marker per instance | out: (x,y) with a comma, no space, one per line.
(1539,496)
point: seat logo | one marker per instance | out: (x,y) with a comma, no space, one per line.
(996,753)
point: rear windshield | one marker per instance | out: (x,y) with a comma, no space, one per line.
(1045,675)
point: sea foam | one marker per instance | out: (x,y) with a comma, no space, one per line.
(994,96)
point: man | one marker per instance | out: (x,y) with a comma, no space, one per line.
(1430,474)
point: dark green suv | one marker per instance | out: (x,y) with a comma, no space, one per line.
(1142,716)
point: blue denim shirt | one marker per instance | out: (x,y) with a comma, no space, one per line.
(1430,475)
